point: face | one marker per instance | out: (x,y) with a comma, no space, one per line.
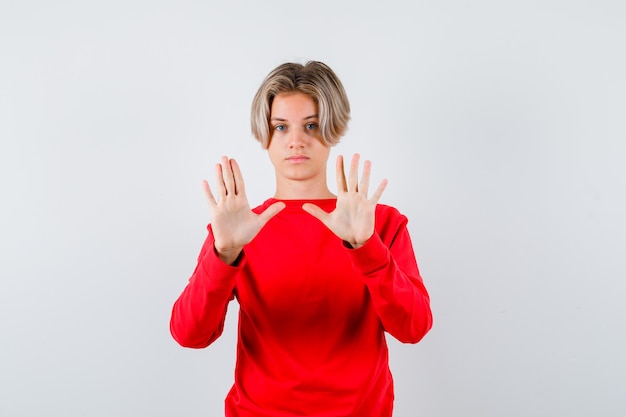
(296,148)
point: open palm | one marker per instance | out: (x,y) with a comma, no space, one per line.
(353,218)
(233,223)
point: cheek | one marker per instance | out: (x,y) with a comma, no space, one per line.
(273,153)
(322,149)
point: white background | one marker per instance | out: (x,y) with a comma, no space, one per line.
(500,126)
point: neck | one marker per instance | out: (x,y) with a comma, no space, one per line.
(302,190)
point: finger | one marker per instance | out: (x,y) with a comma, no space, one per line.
(365,178)
(227,175)
(208,194)
(379,191)
(271,211)
(353,176)
(238,178)
(341,176)
(316,212)
(219,181)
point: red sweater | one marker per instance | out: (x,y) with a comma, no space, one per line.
(312,316)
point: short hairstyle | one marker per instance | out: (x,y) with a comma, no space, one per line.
(314,79)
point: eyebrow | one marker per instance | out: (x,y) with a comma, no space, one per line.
(278,119)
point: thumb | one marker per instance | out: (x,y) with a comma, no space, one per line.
(271,211)
(315,211)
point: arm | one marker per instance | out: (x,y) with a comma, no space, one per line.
(381,252)
(198,314)
(387,264)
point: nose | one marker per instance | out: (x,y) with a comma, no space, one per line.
(297,138)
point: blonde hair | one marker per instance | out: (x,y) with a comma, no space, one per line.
(314,79)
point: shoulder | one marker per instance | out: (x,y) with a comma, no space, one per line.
(384,211)
(389,219)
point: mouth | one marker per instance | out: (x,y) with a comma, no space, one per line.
(297,159)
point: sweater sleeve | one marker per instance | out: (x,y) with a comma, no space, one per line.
(198,314)
(388,267)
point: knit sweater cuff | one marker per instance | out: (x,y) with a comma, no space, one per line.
(370,257)
(218,272)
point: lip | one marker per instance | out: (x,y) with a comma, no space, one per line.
(297,159)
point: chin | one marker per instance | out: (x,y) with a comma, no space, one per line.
(297,175)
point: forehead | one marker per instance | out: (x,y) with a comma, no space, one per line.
(293,105)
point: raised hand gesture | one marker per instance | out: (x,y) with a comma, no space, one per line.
(353,217)
(233,223)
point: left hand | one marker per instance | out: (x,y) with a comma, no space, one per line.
(354,216)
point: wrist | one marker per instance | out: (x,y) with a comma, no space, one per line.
(353,245)
(229,256)
(358,242)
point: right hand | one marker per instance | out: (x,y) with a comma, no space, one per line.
(233,223)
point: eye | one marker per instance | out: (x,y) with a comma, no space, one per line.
(311,126)
(280,128)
